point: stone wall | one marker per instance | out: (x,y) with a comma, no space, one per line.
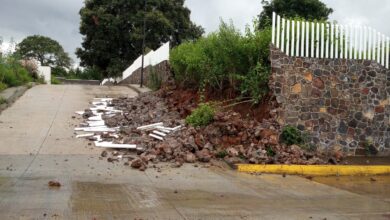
(162,70)
(340,103)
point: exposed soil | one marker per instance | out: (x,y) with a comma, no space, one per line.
(231,137)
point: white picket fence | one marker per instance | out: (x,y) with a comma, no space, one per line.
(327,40)
(152,58)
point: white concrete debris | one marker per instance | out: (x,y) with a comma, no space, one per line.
(150,127)
(156,136)
(160,133)
(96,124)
(111,145)
(85,135)
(80,112)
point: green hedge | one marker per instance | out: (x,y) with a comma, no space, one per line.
(224,59)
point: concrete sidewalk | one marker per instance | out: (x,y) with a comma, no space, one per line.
(37,145)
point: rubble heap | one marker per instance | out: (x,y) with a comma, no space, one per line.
(230,137)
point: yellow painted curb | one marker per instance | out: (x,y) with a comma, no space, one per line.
(315,170)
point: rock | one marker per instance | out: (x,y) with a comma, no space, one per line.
(203,155)
(190,158)
(232,152)
(137,163)
(53,183)
(104,154)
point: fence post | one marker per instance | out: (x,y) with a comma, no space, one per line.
(278,32)
(327,41)
(303,40)
(273,27)
(298,39)
(312,39)
(336,50)
(346,42)
(341,42)
(307,38)
(331,40)
(383,50)
(283,27)
(370,45)
(355,43)
(288,37)
(350,42)
(378,50)
(292,38)
(322,40)
(387,53)
(318,41)
(365,43)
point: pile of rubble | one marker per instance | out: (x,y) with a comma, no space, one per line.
(149,132)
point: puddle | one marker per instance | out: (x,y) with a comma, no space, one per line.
(372,186)
(90,197)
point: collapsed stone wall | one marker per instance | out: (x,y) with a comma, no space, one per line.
(340,103)
(162,70)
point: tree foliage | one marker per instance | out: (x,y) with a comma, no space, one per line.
(307,9)
(45,50)
(113,30)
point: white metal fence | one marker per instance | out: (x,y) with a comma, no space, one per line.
(327,40)
(152,58)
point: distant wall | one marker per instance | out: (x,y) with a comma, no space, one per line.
(151,59)
(162,70)
(340,103)
(45,72)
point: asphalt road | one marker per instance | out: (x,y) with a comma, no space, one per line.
(37,145)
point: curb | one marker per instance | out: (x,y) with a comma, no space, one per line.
(11,99)
(315,170)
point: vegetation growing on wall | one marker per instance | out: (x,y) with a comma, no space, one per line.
(223,60)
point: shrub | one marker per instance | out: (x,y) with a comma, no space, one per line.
(201,116)
(291,135)
(12,73)
(223,59)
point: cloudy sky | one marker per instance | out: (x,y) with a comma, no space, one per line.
(59,19)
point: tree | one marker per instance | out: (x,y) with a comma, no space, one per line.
(45,50)
(306,9)
(113,30)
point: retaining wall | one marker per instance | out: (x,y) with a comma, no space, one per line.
(340,103)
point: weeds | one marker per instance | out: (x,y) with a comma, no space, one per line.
(291,135)
(201,116)
(221,154)
(155,80)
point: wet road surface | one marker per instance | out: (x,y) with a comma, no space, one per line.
(37,146)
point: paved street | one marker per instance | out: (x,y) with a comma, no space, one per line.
(37,145)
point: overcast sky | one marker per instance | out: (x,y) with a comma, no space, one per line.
(59,19)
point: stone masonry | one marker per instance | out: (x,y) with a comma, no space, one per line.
(341,104)
(162,70)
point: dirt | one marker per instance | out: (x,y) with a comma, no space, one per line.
(230,137)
